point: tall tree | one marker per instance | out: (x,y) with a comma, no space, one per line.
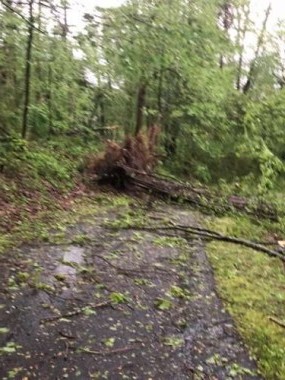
(259,46)
(28,69)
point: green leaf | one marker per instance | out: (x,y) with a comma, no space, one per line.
(163,304)
(117,298)
(109,342)
(4,330)
(173,341)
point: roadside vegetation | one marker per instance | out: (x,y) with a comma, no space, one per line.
(183,70)
(253,287)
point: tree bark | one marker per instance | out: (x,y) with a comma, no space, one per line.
(260,41)
(65,25)
(241,33)
(49,97)
(140,107)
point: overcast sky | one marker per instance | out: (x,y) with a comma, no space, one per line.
(258,7)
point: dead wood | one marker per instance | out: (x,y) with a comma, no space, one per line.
(130,165)
(277,321)
(75,312)
(213,235)
(109,352)
(134,154)
(231,239)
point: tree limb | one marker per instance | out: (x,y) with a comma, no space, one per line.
(8,6)
(230,239)
(215,236)
(260,41)
(277,321)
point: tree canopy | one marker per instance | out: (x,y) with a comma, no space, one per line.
(183,65)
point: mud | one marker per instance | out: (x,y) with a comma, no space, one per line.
(117,304)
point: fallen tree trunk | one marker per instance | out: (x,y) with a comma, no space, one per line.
(198,197)
(130,164)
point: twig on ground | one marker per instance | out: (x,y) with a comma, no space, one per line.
(277,321)
(230,239)
(109,352)
(66,336)
(75,312)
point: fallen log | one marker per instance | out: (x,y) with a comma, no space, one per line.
(130,165)
(199,198)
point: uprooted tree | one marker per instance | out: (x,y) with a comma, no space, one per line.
(136,154)
(131,163)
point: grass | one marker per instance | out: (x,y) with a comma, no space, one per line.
(253,288)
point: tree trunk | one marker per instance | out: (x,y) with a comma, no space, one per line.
(160,89)
(65,25)
(102,111)
(260,41)
(140,107)
(226,19)
(170,141)
(28,70)
(243,28)
(49,98)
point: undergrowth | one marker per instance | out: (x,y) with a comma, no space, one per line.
(34,177)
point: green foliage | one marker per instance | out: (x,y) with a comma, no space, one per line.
(48,166)
(9,348)
(188,63)
(173,341)
(117,298)
(178,292)
(163,304)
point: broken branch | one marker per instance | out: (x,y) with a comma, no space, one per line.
(109,352)
(215,236)
(74,313)
(277,321)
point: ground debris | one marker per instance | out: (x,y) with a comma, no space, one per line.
(163,319)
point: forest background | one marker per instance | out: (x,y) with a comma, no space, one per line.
(207,73)
(203,71)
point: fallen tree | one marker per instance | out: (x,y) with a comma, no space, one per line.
(130,165)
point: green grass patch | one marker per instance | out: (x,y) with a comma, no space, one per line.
(253,288)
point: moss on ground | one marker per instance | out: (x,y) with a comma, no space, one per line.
(253,288)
